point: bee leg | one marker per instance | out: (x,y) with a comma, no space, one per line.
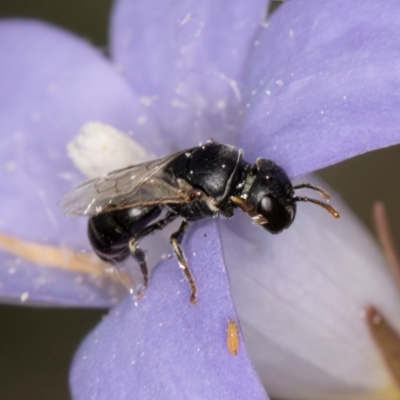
(139,254)
(140,257)
(156,226)
(176,239)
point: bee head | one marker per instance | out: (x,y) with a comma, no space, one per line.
(269,197)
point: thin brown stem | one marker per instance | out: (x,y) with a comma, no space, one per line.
(387,340)
(385,237)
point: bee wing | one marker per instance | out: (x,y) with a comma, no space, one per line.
(138,185)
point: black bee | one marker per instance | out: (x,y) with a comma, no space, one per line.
(204,181)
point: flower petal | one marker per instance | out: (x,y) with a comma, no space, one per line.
(163,347)
(52,83)
(186,58)
(325,83)
(23,284)
(301,296)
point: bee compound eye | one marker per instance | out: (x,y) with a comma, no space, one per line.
(278,217)
(266,205)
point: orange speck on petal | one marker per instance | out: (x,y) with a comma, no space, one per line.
(232,337)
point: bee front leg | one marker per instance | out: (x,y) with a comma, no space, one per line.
(176,239)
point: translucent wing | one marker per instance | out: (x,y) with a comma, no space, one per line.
(138,185)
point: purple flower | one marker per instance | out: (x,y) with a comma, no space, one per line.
(315,85)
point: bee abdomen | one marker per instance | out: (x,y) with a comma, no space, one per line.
(110,232)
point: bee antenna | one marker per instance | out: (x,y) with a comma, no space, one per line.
(322,192)
(327,207)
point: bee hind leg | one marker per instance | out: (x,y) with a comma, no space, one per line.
(139,255)
(176,239)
